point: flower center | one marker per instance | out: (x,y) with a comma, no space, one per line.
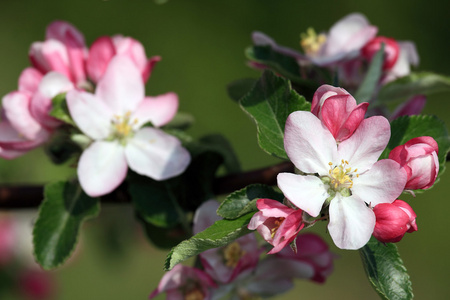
(311,42)
(194,294)
(232,254)
(341,176)
(122,126)
(276,225)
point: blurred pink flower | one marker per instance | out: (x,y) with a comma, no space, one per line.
(183,282)
(276,223)
(418,157)
(393,220)
(313,259)
(113,117)
(391,50)
(230,262)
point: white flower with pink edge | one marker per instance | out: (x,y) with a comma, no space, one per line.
(345,179)
(113,117)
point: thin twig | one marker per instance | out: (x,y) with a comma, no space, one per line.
(27,196)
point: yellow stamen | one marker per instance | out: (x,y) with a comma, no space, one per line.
(232,254)
(311,42)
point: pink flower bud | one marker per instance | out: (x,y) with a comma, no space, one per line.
(105,48)
(183,282)
(338,111)
(312,252)
(276,223)
(393,220)
(391,50)
(418,157)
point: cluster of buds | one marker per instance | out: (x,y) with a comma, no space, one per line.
(336,150)
(238,270)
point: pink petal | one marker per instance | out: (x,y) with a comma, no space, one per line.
(90,114)
(413,106)
(121,87)
(159,110)
(58,30)
(306,192)
(100,54)
(383,183)
(102,168)
(149,67)
(351,222)
(153,153)
(308,144)
(29,80)
(352,122)
(50,55)
(366,144)
(324,92)
(52,84)
(205,216)
(16,106)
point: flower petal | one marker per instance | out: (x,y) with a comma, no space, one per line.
(383,183)
(29,80)
(16,106)
(90,114)
(159,110)
(364,147)
(309,144)
(351,222)
(121,87)
(100,54)
(102,168)
(306,192)
(154,153)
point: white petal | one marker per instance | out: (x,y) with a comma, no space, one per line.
(159,110)
(121,87)
(383,183)
(153,153)
(309,145)
(306,192)
(364,147)
(102,167)
(351,222)
(90,114)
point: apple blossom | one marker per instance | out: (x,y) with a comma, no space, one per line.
(407,57)
(105,48)
(338,111)
(393,220)
(183,282)
(313,252)
(418,157)
(276,223)
(412,106)
(227,263)
(349,178)
(343,42)
(113,118)
(391,50)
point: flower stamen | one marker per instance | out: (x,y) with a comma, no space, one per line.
(311,42)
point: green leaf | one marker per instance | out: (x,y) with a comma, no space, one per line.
(408,127)
(423,83)
(239,88)
(64,209)
(370,82)
(269,103)
(385,270)
(219,234)
(243,201)
(287,66)
(153,202)
(60,110)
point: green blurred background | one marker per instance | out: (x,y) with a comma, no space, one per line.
(202,45)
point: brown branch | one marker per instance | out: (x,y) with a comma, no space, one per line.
(20,197)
